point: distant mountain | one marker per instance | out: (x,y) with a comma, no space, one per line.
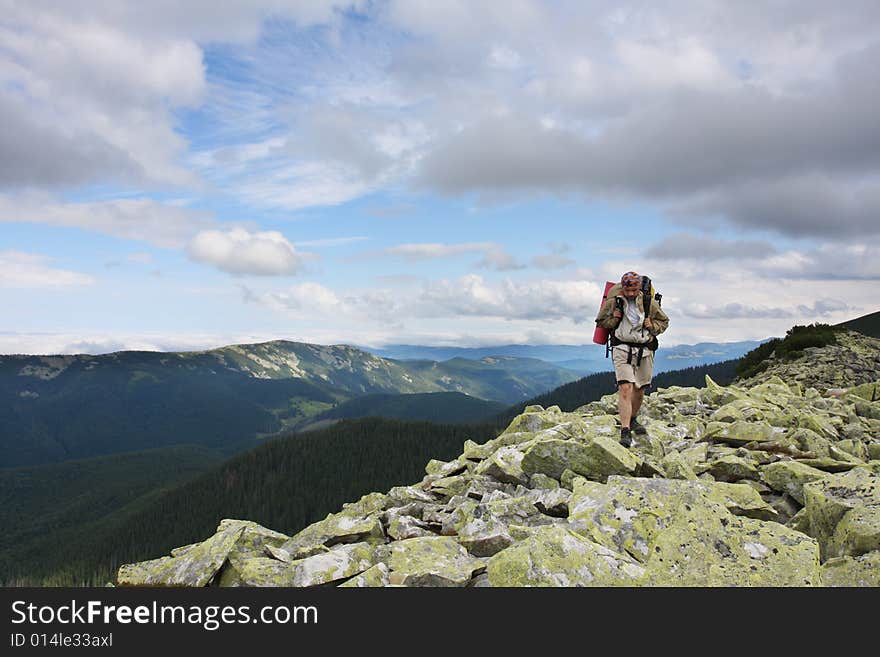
(54,408)
(583,359)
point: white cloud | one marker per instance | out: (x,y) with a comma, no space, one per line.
(494,255)
(547,300)
(303,185)
(95,98)
(96,84)
(139,219)
(552,261)
(702,247)
(466,297)
(684,62)
(499,260)
(310,297)
(240,252)
(831,262)
(29,270)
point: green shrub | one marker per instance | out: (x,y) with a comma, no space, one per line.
(797,338)
(755,361)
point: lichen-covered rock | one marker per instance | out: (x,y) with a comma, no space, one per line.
(429,561)
(740,500)
(259,571)
(732,468)
(868,391)
(710,550)
(485,536)
(505,465)
(716,395)
(811,442)
(857,532)
(195,567)
(376,576)
(829,500)
(790,477)
(355,523)
(685,534)
(551,502)
(534,418)
(595,459)
(556,556)
(477,452)
(824,426)
(406,522)
(542,481)
(677,466)
(446,469)
(341,562)
(863,570)
(740,432)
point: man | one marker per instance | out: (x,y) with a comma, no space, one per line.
(634,340)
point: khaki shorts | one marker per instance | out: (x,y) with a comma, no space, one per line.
(640,375)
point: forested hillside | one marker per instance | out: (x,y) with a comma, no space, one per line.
(286,484)
(56,408)
(430,406)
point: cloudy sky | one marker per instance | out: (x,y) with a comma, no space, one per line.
(188,175)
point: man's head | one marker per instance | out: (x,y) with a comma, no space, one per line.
(630,283)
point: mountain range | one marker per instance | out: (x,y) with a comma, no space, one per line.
(584,359)
(54,408)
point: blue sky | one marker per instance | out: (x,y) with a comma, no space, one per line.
(186,175)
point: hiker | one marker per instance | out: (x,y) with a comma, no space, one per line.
(633,340)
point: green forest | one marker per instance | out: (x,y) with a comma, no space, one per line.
(285,485)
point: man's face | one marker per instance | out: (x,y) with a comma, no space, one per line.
(631,292)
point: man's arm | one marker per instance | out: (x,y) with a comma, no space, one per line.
(658,322)
(606,318)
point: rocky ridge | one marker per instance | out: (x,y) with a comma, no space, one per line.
(854,360)
(772,481)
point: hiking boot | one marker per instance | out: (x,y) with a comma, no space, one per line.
(626,437)
(637,428)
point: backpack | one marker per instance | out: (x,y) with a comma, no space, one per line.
(649,296)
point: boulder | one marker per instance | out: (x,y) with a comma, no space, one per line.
(595,459)
(790,477)
(197,566)
(556,556)
(340,563)
(829,500)
(863,570)
(428,561)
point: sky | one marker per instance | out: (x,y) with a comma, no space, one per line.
(183,176)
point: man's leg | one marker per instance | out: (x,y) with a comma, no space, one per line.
(625,402)
(638,394)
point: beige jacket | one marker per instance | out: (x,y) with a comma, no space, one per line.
(623,329)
